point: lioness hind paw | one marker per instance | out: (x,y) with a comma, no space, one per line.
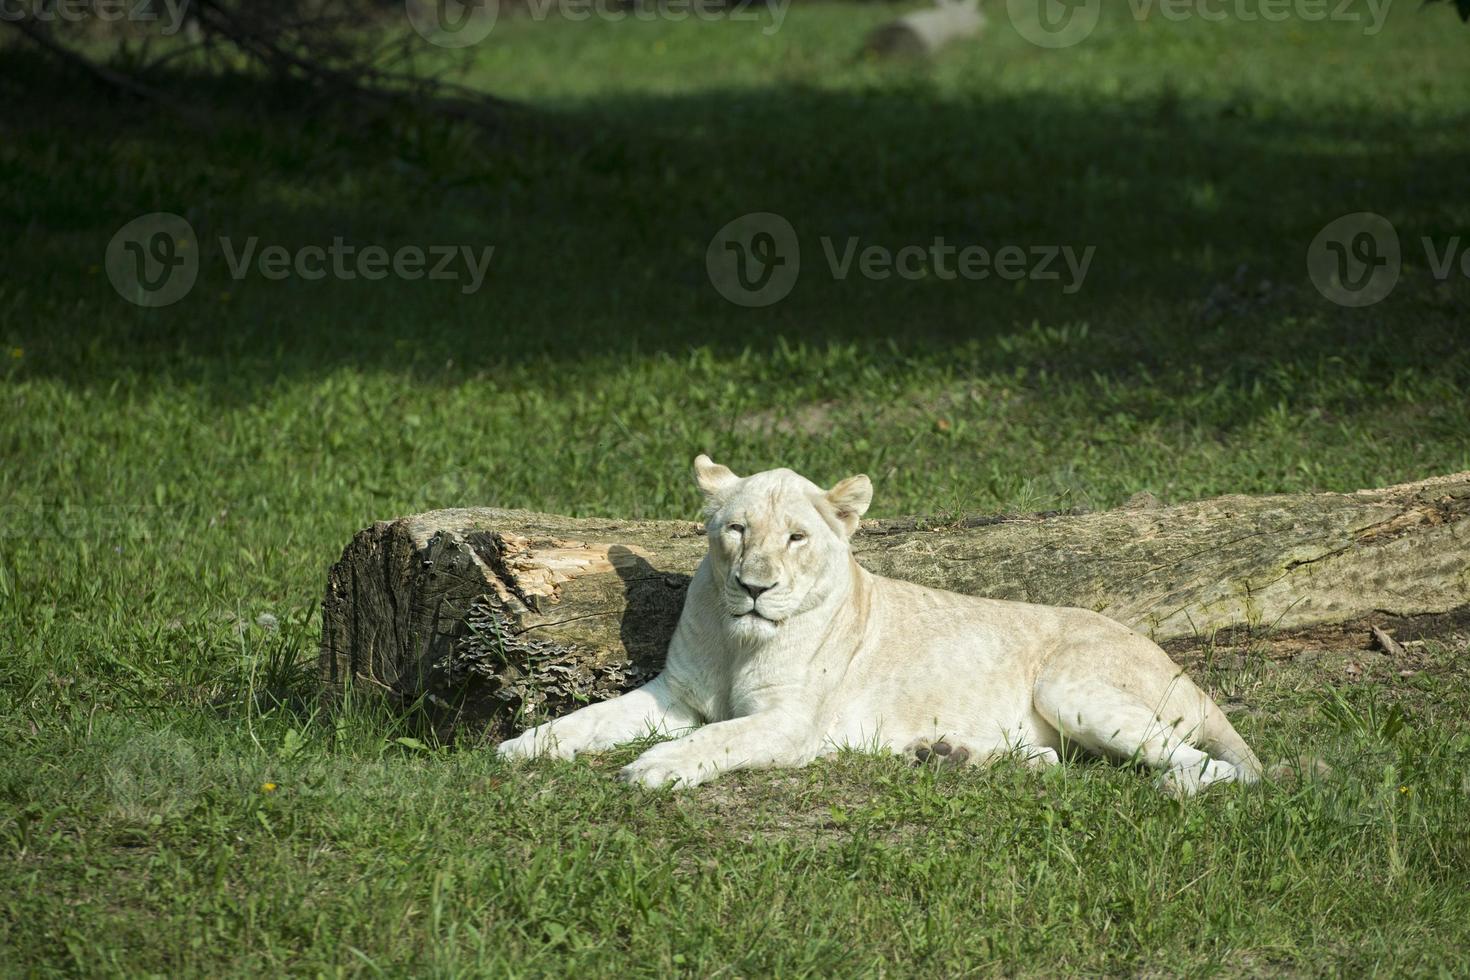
(1187,780)
(922,750)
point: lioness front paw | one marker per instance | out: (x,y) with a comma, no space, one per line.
(538,743)
(666,765)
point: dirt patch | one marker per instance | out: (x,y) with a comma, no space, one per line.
(1354,637)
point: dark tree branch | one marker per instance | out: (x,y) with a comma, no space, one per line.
(38,34)
(323,47)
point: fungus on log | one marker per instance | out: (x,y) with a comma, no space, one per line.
(497,617)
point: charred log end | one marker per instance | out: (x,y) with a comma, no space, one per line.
(359,622)
(394,610)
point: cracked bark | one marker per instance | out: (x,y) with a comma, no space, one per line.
(494,617)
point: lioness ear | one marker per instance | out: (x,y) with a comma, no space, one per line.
(850,500)
(711,476)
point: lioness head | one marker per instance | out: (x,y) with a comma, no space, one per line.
(777,541)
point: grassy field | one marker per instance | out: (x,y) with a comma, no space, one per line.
(176,481)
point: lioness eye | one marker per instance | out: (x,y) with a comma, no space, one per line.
(797,536)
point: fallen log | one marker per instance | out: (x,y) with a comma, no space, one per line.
(492,618)
(923,32)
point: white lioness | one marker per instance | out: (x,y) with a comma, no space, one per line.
(787,649)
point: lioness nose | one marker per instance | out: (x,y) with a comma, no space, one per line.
(755,590)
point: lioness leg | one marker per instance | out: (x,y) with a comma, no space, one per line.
(1111,722)
(651,709)
(758,741)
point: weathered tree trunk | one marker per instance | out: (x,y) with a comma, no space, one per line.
(496,616)
(923,32)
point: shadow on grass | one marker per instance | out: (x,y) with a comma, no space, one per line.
(600,231)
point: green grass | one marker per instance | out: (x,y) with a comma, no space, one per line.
(171,475)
